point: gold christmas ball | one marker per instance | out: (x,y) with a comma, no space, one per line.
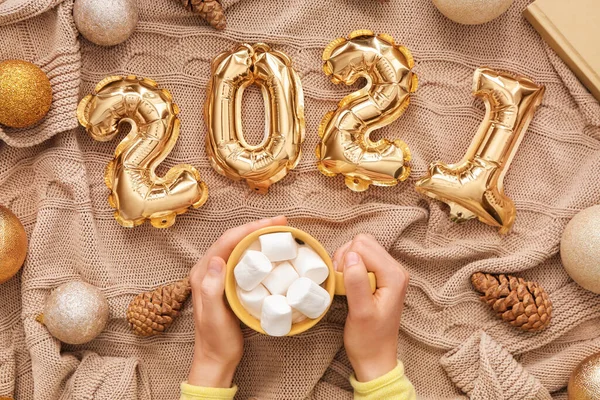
(584,383)
(472,12)
(75,312)
(25,94)
(580,249)
(13,244)
(105,22)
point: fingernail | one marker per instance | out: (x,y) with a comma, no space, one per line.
(214,266)
(265,221)
(351,259)
(335,265)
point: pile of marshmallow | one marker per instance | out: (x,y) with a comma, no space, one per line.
(278,282)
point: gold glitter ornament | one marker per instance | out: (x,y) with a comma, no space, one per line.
(584,383)
(25,94)
(13,244)
(75,312)
(105,22)
(472,12)
(580,249)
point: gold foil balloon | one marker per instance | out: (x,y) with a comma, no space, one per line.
(345,147)
(474,186)
(25,94)
(580,249)
(137,193)
(229,153)
(13,244)
(75,312)
(584,383)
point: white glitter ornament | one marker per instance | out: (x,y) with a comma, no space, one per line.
(472,12)
(580,249)
(105,22)
(75,312)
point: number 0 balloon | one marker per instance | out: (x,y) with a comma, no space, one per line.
(230,154)
(137,193)
(345,147)
(474,186)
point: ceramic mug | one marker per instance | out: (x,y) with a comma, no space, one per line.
(334,284)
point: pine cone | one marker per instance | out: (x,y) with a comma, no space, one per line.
(522,304)
(151,313)
(210,10)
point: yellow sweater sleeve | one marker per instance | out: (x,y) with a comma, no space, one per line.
(392,386)
(191,392)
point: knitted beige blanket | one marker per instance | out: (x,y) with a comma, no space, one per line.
(51,176)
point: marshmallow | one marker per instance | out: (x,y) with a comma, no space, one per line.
(279,246)
(252,300)
(310,265)
(308,298)
(280,279)
(276,317)
(253,246)
(252,269)
(297,316)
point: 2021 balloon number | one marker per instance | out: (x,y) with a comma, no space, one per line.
(229,153)
(137,193)
(345,147)
(473,187)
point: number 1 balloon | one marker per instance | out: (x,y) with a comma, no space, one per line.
(229,153)
(345,147)
(474,186)
(137,193)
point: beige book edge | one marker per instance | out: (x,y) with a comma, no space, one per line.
(536,14)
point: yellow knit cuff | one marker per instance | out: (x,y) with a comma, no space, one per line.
(393,385)
(191,392)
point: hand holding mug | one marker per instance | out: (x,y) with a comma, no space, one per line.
(371,332)
(219,344)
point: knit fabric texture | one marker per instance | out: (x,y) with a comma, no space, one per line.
(452,345)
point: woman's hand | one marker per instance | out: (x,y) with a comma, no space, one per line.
(219,344)
(371,332)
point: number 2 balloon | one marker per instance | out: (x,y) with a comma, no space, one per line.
(137,193)
(345,146)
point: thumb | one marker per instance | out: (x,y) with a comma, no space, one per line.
(358,289)
(212,290)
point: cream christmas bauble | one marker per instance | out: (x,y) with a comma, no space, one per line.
(105,22)
(580,249)
(472,12)
(75,312)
